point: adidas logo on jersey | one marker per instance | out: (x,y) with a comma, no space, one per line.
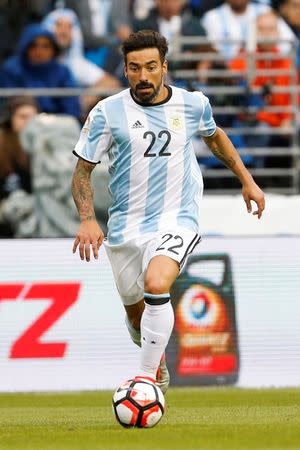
(137,124)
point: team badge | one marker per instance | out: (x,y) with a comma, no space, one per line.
(175,123)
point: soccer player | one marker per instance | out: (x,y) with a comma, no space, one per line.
(156,187)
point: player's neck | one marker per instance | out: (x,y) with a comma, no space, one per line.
(162,95)
(239,10)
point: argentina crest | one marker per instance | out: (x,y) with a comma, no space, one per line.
(175,122)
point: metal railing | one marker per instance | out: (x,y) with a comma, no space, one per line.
(288,177)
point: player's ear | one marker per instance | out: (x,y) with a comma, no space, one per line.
(165,67)
(125,70)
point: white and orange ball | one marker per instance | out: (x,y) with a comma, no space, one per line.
(138,403)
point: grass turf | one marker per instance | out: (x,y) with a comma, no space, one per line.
(195,419)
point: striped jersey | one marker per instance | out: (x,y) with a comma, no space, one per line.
(155,180)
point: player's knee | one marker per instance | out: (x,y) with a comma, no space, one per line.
(155,286)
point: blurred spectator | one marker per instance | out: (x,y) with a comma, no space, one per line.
(14,16)
(102,21)
(66,27)
(290,11)
(35,65)
(14,162)
(49,140)
(170,18)
(234,20)
(267,28)
(200,7)
(104,24)
(50,210)
(139,9)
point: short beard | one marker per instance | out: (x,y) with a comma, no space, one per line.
(146,98)
(239,9)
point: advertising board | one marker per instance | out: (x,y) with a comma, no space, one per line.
(62,322)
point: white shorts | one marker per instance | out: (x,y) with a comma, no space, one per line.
(129,261)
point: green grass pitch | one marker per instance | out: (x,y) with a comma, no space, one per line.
(195,419)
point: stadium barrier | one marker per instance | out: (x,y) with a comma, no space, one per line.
(277,176)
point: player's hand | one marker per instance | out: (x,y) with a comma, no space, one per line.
(89,235)
(251,192)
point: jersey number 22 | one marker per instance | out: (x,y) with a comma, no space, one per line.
(163,134)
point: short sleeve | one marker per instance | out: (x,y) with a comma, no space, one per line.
(207,124)
(95,137)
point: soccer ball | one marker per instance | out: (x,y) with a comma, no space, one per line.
(138,403)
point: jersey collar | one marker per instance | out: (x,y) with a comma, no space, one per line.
(153,104)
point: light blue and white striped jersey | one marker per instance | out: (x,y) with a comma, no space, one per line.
(155,178)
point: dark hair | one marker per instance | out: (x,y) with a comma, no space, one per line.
(145,39)
(276,4)
(11,107)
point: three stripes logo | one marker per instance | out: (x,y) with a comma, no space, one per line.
(137,124)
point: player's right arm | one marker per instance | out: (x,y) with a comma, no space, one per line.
(89,232)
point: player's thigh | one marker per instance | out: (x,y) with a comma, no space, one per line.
(165,256)
(161,273)
(126,263)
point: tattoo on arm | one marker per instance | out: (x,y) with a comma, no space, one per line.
(228,161)
(82,190)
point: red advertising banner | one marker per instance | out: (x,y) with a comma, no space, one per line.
(61,296)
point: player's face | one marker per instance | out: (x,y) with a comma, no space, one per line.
(145,73)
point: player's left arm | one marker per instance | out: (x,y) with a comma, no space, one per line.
(224,150)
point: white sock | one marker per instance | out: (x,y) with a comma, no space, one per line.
(156,328)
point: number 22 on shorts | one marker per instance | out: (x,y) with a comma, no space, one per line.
(171,243)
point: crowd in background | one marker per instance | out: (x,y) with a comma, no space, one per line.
(76,44)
